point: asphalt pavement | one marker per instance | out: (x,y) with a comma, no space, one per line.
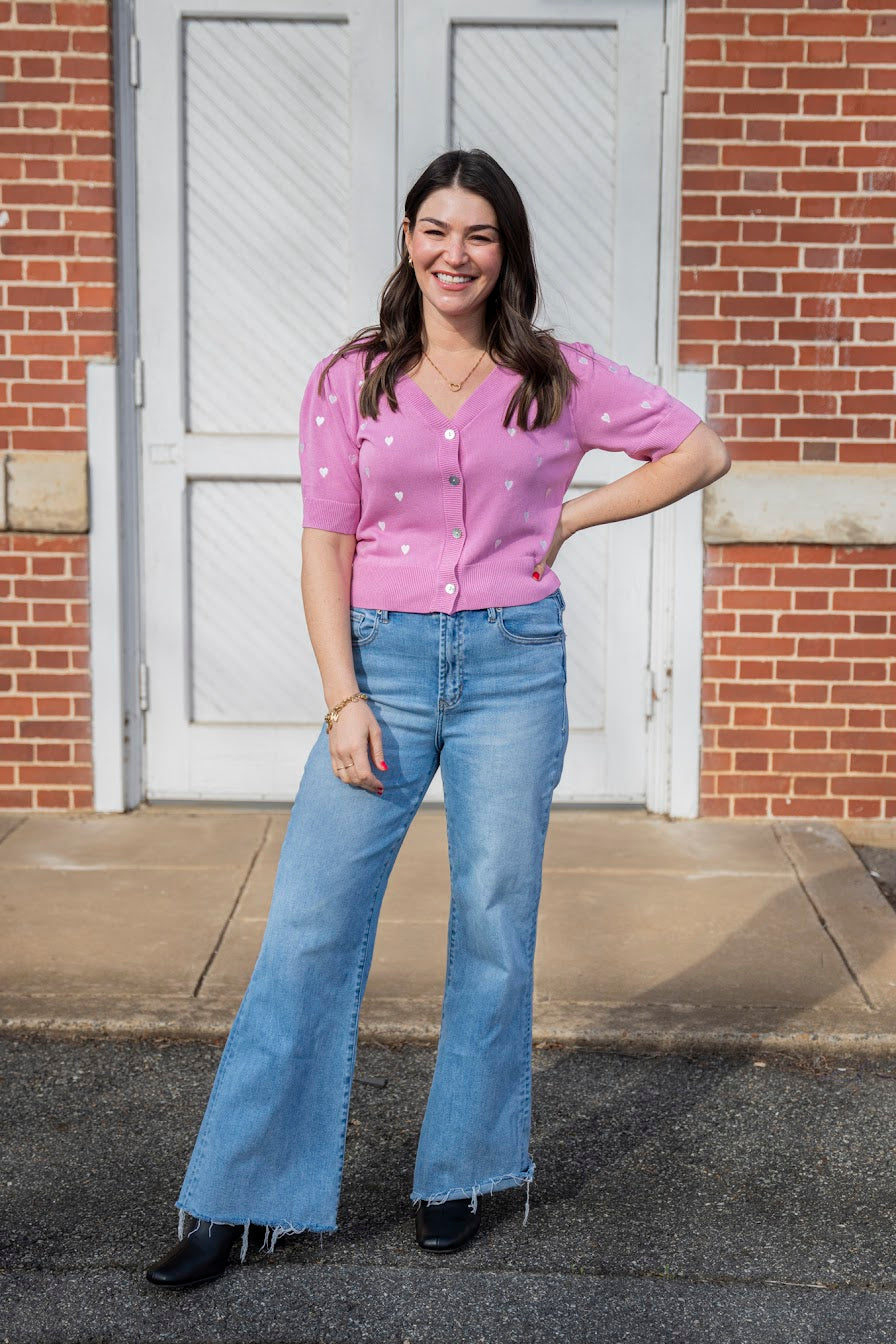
(676,1199)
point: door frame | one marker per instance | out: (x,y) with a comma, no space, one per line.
(116,615)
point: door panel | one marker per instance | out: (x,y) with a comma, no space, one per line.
(266,169)
(544,77)
(567,96)
(272,167)
(267,110)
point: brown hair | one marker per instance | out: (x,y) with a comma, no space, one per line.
(512,340)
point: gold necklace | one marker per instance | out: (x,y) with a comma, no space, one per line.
(455,387)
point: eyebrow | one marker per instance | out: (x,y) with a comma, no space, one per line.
(474,228)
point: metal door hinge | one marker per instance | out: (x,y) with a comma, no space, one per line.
(138,381)
(144,688)
(134,61)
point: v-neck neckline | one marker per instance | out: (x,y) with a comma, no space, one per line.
(467,408)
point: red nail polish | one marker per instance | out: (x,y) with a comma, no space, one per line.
(535,574)
(384,765)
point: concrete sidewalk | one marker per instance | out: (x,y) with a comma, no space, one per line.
(653,934)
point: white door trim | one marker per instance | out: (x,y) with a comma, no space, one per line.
(674,730)
(673,742)
(112,436)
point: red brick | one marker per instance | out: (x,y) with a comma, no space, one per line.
(814,762)
(16,799)
(864,807)
(806,807)
(807,786)
(748,807)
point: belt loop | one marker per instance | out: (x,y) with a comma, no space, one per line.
(492,613)
(383,615)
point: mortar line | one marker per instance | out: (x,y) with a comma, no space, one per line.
(781,837)
(229,920)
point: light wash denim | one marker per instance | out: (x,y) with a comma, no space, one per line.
(480,694)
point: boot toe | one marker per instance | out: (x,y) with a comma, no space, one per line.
(446,1226)
(198,1258)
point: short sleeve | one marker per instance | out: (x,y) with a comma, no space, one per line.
(614,409)
(328,451)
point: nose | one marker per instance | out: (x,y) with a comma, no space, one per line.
(455,250)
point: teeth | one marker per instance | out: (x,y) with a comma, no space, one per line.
(453,279)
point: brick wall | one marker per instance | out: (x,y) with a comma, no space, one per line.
(799,689)
(45,725)
(57,310)
(787,297)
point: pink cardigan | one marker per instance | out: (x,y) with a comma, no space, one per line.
(453,514)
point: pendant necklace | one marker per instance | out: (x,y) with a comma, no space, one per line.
(455,387)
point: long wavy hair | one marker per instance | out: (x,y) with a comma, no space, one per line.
(512,340)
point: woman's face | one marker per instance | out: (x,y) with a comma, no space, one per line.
(456,249)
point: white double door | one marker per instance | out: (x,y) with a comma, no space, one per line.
(274,153)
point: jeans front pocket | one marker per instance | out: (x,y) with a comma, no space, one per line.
(365,622)
(539,622)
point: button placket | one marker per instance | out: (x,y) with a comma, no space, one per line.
(453,504)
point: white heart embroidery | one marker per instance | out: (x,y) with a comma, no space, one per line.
(543,544)
(498,542)
(360,382)
(582,359)
(363,424)
(539,459)
(318,419)
(566,445)
(511,430)
(526,515)
(389,440)
(367,472)
(353,457)
(647,406)
(323,470)
(605,418)
(381,526)
(508,484)
(399,494)
(405,549)
(332,398)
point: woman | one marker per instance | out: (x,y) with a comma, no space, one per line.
(436,449)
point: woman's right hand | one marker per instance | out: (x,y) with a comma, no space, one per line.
(354,739)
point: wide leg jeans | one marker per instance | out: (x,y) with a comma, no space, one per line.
(480,694)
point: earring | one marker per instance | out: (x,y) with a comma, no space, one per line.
(410,260)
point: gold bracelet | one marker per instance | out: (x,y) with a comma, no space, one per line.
(333,714)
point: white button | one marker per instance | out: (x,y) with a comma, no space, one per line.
(449,587)
(450,434)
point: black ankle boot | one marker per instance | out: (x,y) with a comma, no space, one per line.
(200,1256)
(446,1226)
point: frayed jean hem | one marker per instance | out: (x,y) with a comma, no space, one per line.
(271,1230)
(472,1192)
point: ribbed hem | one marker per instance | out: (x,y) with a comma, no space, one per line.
(393,586)
(331,515)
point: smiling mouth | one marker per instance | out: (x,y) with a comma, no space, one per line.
(457,281)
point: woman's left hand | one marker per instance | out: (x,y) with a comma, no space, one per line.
(550,555)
